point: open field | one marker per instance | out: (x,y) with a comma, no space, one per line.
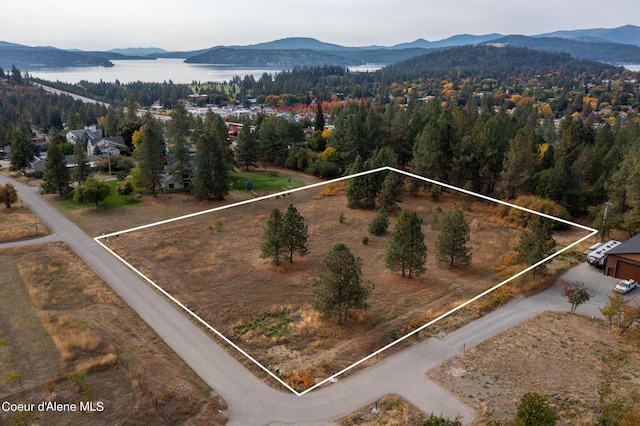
(57,318)
(562,355)
(211,264)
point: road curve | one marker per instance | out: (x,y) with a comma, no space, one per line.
(251,401)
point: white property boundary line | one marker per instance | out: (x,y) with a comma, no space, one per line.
(592,232)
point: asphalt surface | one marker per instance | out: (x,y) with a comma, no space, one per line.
(250,401)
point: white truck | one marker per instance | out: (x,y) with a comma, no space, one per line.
(625,286)
(598,255)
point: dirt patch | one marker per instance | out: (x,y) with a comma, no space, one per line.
(61,319)
(558,354)
(390,410)
(217,272)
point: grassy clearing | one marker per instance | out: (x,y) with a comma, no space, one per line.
(18,223)
(64,321)
(112,201)
(265,180)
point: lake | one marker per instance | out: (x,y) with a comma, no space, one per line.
(158,71)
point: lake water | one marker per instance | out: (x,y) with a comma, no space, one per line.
(176,70)
(158,71)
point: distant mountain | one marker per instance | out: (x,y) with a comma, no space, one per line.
(628,34)
(28,58)
(269,58)
(488,61)
(291,43)
(139,51)
(458,40)
(612,53)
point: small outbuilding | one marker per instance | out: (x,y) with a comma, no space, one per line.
(623,261)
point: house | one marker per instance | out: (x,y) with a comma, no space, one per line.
(85,135)
(623,261)
(36,165)
(114,145)
(5,150)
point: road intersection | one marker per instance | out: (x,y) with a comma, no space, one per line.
(252,402)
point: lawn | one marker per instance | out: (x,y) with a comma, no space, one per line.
(113,200)
(265,181)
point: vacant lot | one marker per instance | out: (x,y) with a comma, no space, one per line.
(211,263)
(57,318)
(18,223)
(563,355)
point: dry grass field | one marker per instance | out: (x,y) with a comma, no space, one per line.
(18,223)
(211,264)
(58,318)
(562,355)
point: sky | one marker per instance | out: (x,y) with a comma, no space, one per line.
(198,24)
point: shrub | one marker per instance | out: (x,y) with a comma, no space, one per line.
(249,186)
(380,223)
(521,218)
(341,218)
(365,240)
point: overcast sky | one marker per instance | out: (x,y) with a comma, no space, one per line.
(198,24)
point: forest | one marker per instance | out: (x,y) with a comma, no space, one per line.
(508,122)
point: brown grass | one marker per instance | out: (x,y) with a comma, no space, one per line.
(390,410)
(222,278)
(18,223)
(556,353)
(94,331)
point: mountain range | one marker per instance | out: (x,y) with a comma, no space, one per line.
(616,45)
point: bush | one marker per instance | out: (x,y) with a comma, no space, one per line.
(248,186)
(365,240)
(324,169)
(380,224)
(522,218)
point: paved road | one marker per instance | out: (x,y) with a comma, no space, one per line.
(250,401)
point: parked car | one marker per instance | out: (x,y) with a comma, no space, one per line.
(625,286)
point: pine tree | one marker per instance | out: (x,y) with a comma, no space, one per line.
(520,162)
(406,250)
(248,149)
(319,124)
(21,152)
(80,170)
(294,233)
(56,175)
(451,244)
(212,169)
(390,193)
(536,244)
(379,224)
(360,192)
(341,289)
(273,239)
(178,132)
(150,154)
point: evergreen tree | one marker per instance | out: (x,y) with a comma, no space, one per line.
(319,124)
(212,169)
(56,175)
(178,132)
(273,239)
(380,223)
(341,289)
(80,170)
(21,152)
(406,251)
(248,149)
(536,244)
(360,191)
(390,193)
(451,244)
(520,162)
(150,154)
(294,233)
